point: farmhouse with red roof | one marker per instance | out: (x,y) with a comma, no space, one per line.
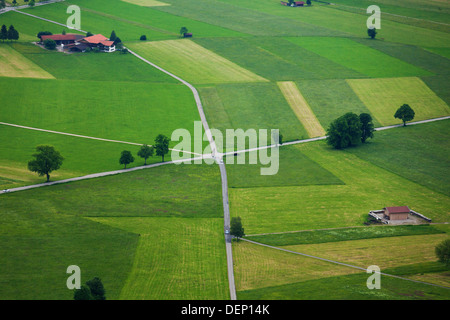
(77,42)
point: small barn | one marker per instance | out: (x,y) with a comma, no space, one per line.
(187,35)
(396,213)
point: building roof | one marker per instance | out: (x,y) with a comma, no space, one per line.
(107,43)
(62,37)
(95,39)
(402,209)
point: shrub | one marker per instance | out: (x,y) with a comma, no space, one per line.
(50,44)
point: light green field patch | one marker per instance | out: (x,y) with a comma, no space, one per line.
(194,63)
(13,64)
(147,3)
(359,57)
(384,96)
(175,258)
(301,108)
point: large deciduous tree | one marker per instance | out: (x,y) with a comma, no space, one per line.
(126,158)
(236,228)
(161,145)
(145,152)
(405,113)
(367,127)
(442,251)
(345,131)
(46,160)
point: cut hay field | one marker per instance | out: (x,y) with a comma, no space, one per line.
(13,64)
(384,96)
(147,3)
(176,259)
(194,63)
(301,109)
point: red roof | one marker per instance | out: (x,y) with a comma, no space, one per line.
(62,37)
(107,43)
(95,39)
(403,209)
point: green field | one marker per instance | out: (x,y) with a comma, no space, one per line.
(158,233)
(384,96)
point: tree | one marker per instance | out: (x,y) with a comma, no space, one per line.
(367,127)
(308,2)
(405,113)
(64,31)
(47,159)
(126,158)
(14,2)
(113,36)
(236,228)
(372,32)
(13,34)
(2,4)
(145,152)
(84,293)
(3,33)
(43,33)
(89,34)
(143,37)
(442,251)
(161,146)
(31,3)
(117,41)
(96,287)
(345,131)
(183,30)
(50,44)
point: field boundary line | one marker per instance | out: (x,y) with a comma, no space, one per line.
(342,263)
(86,137)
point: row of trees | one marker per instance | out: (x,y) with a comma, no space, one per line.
(351,129)
(161,148)
(47,159)
(8,33)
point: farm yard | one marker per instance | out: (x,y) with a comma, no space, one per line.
(157,233)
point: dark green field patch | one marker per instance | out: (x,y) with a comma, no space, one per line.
(335,235)
(277,59)
(250,106)
(419,153)
(295,169)
(330,99)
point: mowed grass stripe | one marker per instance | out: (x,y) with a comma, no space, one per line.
(384,96)
(147,3)
(13,64)
(301,108)
(193,62)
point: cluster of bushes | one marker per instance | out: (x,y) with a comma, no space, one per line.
(161,148)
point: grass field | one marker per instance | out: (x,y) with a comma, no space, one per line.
(358,57)
(147,3)
(13,64)
(418,153)
(330,99)
(250,106)
(194,63)
(384,96)
(316,207)
(277,59)
(301,109)
(190,265)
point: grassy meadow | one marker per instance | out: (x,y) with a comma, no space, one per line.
(157,233)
